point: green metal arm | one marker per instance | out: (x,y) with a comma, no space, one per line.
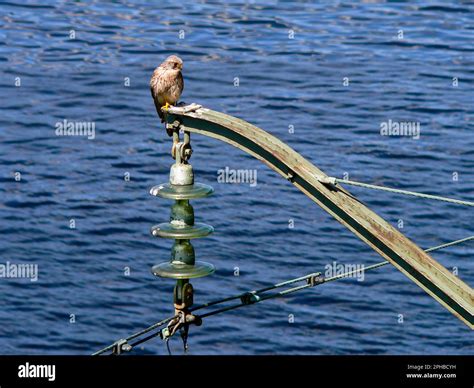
(405,255)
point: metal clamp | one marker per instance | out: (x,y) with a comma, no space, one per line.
(181,151)
(183,320)
(249,298)
(172,128)
(121,346)
(315,279)
(327,180)
(183,296)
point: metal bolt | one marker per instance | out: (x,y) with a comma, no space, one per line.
(126,347)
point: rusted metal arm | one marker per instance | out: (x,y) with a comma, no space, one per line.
(405,255)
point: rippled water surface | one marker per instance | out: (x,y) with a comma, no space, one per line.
(401,61)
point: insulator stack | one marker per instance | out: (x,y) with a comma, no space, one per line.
(182,227)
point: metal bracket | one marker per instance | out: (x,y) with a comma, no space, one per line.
(316,279)
(184,319)
(183,297)
(327,179)
(249,298)
(180,150)
(172,128)
(121,346)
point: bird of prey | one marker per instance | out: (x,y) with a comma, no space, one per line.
(167,84)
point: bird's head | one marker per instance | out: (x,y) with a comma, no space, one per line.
(173,62)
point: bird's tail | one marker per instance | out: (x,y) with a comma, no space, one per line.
(161,114)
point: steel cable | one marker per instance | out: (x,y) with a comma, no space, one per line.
(398,191)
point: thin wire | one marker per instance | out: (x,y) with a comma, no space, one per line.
(449,244)
(149,337)
(292,290)
(269,288)
(404,192)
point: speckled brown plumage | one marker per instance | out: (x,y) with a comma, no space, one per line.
(167,83)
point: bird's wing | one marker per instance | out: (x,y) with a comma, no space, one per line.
(157,103)
(154,89)
(180,82)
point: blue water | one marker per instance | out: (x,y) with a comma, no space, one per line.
(282,82)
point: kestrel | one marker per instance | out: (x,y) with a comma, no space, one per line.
(167,84)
